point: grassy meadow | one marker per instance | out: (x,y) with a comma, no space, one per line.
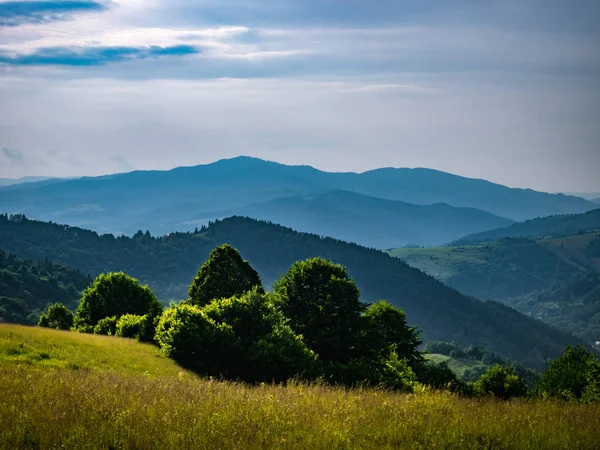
(69,390)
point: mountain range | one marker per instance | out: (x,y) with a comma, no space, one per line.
(382,208)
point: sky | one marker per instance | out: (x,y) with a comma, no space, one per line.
(505,90)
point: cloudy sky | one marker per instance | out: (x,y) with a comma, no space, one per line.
(505,90)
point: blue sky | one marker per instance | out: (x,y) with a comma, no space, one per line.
(506,90)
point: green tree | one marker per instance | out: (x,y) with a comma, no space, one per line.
(190,337)
(572,375)
(268,348)
(322,303)
(389,330)
(224,275)
(112,295)
(57,316)
(501,382)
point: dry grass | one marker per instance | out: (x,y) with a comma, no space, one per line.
(52,406)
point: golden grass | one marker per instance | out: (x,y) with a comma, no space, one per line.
(105,406)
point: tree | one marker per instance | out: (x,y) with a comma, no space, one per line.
(322,303)
(57,316)
(113,295)
(224,275)
(571,376)
(501,382)
(390,330)
(268,348)
(243,338)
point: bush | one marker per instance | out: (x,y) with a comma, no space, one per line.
(107,326)
(113,295)
(438,376)
(243,338)
(224,275)
(501,382)
(129,325)
(57,316)
(575,375)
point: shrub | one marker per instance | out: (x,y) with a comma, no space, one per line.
(129,325)
(57,316)
(438,376)
(224,275)
(243,338)
(107,326)
(575,375)
(501,382)
(114,294)
(191,338)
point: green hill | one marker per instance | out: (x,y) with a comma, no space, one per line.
(27,288)
(553,226)
(169,263)
(496,270)
(63,389)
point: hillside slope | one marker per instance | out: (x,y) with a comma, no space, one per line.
(370,221)
(168,264)
(572,306)
(27,288)
(164,201)
(497,270)
(71,390)
(553,226)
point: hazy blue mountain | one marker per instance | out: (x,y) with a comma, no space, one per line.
(169,263)
(163,201)
(13,181)
(596,200)
(370,221)
(553,226)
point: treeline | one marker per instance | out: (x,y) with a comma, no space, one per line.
(28,287)
(313,325)
(167,264)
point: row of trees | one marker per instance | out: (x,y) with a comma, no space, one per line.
(312,325)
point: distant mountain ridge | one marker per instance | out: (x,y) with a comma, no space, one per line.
(376,222)
(169,263)
(179,199)
(13,181)
(553,226)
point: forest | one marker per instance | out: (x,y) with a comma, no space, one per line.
(167,263)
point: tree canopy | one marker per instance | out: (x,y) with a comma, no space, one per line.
(224,275)
(112,295)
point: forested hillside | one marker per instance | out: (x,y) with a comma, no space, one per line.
(498,270)
(176,200)
(573,306)
(553,226)
(169,263)
(27,288)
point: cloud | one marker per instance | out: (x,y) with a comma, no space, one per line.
(15,13)
(14,156)
(93,56)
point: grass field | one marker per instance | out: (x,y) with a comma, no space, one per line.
(65,390)
(458,365)
(440,262)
